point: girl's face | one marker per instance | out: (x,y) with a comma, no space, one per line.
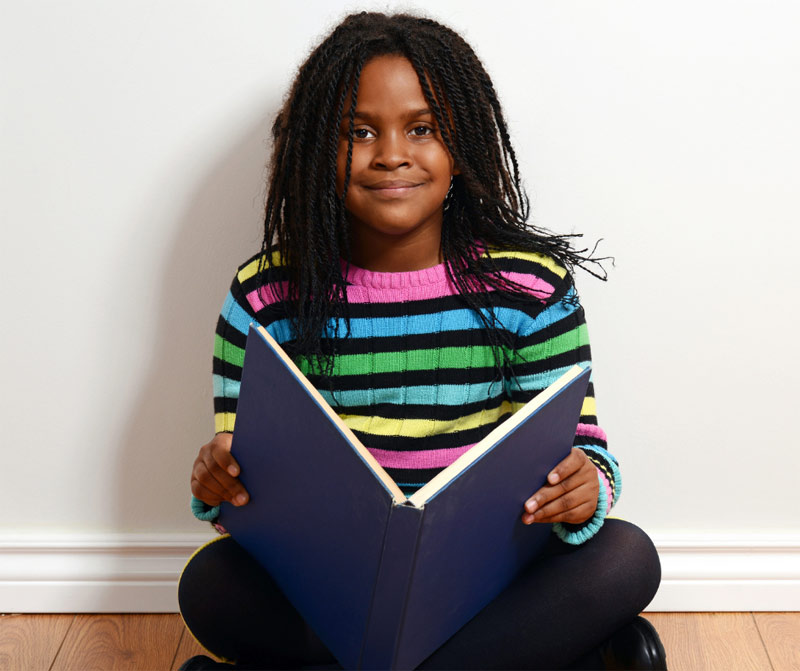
(400,170)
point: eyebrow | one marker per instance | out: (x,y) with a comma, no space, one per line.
(363,114)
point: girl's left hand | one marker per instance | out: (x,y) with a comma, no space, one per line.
(570,495)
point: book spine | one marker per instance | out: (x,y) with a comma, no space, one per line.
(385,621)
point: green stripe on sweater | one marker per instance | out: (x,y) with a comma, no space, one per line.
(571,340)
(411,360)
(228,353)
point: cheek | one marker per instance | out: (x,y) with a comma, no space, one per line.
(439,162)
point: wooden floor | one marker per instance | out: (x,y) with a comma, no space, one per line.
(694,642)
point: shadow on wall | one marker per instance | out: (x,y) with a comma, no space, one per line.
(173,415)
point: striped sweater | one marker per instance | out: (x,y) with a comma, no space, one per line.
(415,378)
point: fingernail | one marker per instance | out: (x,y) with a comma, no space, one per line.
(240,499)
(553,478)
(233,471)
(531,505)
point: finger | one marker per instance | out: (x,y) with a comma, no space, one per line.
(201,474)
(584,495)
(204,494)
(551,492)
(544,496)
(548,494)
(221,453)
(219,471)
(586,475)
(575,515)
(218,481)
(571,464)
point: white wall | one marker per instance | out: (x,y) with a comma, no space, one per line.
(133,152)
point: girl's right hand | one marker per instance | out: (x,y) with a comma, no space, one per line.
(215,474)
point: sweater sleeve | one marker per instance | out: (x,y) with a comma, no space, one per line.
(590,438)
(549,342)
(230,339)
(229,342)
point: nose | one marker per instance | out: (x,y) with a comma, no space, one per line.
(391,151)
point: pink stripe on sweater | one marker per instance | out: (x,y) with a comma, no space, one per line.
(418,459)
(263,296)
(374,287)
(404,290)
(361,294)
(591,430)
(259,299)
(397,280)
(537,286)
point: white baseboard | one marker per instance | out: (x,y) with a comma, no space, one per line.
(115,573)
(728,573)
(137,573)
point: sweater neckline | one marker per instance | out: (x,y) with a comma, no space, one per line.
(386,280)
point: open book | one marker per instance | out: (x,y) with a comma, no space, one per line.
(385,579)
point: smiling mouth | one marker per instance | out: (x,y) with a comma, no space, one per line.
(393,188)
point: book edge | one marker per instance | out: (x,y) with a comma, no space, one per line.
(378,470)
(493,438)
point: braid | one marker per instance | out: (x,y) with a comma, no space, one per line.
(305,216)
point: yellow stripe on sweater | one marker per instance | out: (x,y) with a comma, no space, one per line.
(535,257)
(421,428)
(224,421)
(415,428)
(252,268)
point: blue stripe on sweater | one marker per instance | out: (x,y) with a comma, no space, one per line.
(236,315)
(539,381)
(550,315)
(240,320)
(446,394)
(451,320)
(225,387)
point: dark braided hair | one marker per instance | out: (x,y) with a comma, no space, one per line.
(306,220)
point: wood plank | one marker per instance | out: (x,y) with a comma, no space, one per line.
(189,647)
(112,642)
(781,635)
(711,641)
(694,641)
(30,642)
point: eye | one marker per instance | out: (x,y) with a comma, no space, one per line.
(421,131)
(362,133)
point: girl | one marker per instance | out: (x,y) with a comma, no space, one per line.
(397,269)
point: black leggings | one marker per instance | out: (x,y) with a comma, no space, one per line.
(566,603)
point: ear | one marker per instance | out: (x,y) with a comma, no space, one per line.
(455,171)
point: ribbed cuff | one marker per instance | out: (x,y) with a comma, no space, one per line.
(577,534)
(605,462)
(203,511)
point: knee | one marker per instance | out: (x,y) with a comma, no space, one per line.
(639,560)
(200,576)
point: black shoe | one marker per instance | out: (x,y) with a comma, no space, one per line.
(203,663)
(635,647)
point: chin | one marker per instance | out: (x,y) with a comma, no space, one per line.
(396,225)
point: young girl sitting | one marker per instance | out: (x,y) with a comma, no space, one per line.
(398,270)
